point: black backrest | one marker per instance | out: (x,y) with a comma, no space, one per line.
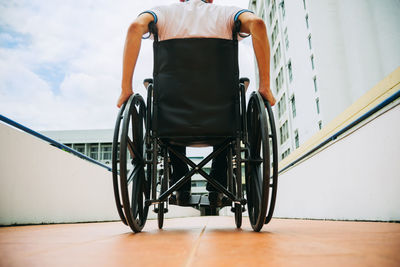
(196,86)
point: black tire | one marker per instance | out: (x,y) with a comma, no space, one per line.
(115,161)
(134,185)
(258,166)
(160,215)
(238,215)
(273,187)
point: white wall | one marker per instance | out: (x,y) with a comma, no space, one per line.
(43,184)
(356,44)
(356,178)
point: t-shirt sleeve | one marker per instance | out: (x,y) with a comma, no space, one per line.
(238,13)
(234,13)
(151,13)
(159,14)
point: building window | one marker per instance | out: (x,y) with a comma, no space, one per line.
(293,103)
(80,148)
(304,4)
(273,7)
(277,56)
(282,106)
(106,151)
(286,39)
(284,132)
(279,81)
(307,22)
(317,103)
(296,138)
(312,61)
(309,42)
(289,66)
(286,153)
(320,125)
(94,151)
(315,84)
(274,35)
(199,183)
(270,18)
(283,9)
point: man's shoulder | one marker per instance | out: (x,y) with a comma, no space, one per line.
(168,7)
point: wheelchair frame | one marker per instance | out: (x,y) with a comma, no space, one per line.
(253,140)
(135,191)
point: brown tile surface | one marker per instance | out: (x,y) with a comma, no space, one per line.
(203,241)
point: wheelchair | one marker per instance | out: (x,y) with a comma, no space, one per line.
(195,98)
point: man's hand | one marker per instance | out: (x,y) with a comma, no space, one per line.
(123,97)
(267,95)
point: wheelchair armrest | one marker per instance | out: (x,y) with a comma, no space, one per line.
(147,81)
(245,81)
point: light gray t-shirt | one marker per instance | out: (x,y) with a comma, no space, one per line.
(195,19)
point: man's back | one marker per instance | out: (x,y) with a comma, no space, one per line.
(249,24)
(194,19)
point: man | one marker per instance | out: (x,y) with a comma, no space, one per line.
(197,19)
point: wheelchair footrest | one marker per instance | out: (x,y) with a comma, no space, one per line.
(205,202)
(155,210)
(199,201)
(193,201)
(234,208)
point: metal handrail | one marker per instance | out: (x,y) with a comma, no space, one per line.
(372,111)
(51,141)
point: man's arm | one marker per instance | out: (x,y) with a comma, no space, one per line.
(131,52)
(256,27)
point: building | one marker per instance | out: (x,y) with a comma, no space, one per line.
(324,56)
(97,144)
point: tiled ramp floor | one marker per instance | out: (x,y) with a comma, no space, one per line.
(203,241)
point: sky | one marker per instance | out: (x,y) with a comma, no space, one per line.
(61,61)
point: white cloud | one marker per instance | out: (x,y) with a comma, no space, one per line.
(85,40)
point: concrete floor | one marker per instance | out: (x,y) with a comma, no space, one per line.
(203,241)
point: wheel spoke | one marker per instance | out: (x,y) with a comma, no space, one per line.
(134,198)
(133,173)
(133,151)
(257,186)
(140,197)
(133,123)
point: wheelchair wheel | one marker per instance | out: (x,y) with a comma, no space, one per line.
(258,165)
(134,186)
(115,161)
(238,215)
